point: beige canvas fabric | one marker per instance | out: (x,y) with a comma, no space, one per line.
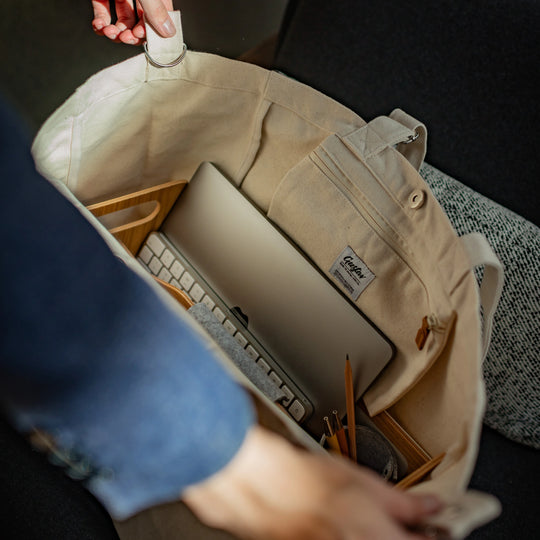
(330,181)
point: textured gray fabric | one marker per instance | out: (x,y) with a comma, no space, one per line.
(512,366)
(233,350)
(375,451)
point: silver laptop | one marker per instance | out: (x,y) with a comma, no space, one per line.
(301,319)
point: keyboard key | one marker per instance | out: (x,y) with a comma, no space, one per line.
(177,269)
(186,281)
(167,258)
(208,302)
(146,254)
(297,410)
(229,326)
(273,376)
(155,266)
(165,275)
(220,316)
(263,365)
(155,244)
(175,283)
(252,353)
(196,292)
(241,339)
(288,395)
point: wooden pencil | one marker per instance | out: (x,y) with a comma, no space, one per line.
(331,437)
(417,475)
(340,434)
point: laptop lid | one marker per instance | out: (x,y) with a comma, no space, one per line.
(299,316)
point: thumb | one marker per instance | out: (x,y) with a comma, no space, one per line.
(413,509)
(156,14)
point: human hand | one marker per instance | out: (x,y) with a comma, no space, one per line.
(127,29)
(272,490)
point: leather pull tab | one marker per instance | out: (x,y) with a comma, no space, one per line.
(165,52)
(422,335)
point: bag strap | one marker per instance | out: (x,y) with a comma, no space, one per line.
(165,52)
(481,254)
(408,135)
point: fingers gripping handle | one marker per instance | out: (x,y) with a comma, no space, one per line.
(481,254)
(165,52)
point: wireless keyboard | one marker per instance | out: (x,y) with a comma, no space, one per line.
(164,261)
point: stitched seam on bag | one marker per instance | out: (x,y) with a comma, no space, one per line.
(353,141)
(408,256)
(328,174)
(258,92)
(374,150)
(364,202)
(257,127)
(364,159)
(349,127)
(186,79)
(160,81)
(308,120)
(148,145)
(70,161)
(110,95)
(370,207)
(401,239)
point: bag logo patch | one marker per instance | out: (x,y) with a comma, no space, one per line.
(352,273)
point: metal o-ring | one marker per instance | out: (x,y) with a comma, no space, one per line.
(159,64)
(412,138)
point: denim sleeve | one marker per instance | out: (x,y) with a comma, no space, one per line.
(92,356)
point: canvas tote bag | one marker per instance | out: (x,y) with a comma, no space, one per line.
(330,181)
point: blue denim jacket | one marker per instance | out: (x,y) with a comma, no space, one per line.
(92,356)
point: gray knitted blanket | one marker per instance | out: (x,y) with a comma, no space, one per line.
(512,366)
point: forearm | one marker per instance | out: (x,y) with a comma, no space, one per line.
(92,355)
(158,424)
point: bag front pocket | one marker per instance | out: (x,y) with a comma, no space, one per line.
(327,213)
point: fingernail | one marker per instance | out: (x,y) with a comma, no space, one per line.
(138,32)
(168,28)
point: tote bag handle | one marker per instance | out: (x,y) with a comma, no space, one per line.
(481,254)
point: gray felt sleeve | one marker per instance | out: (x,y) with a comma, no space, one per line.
(235,352)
